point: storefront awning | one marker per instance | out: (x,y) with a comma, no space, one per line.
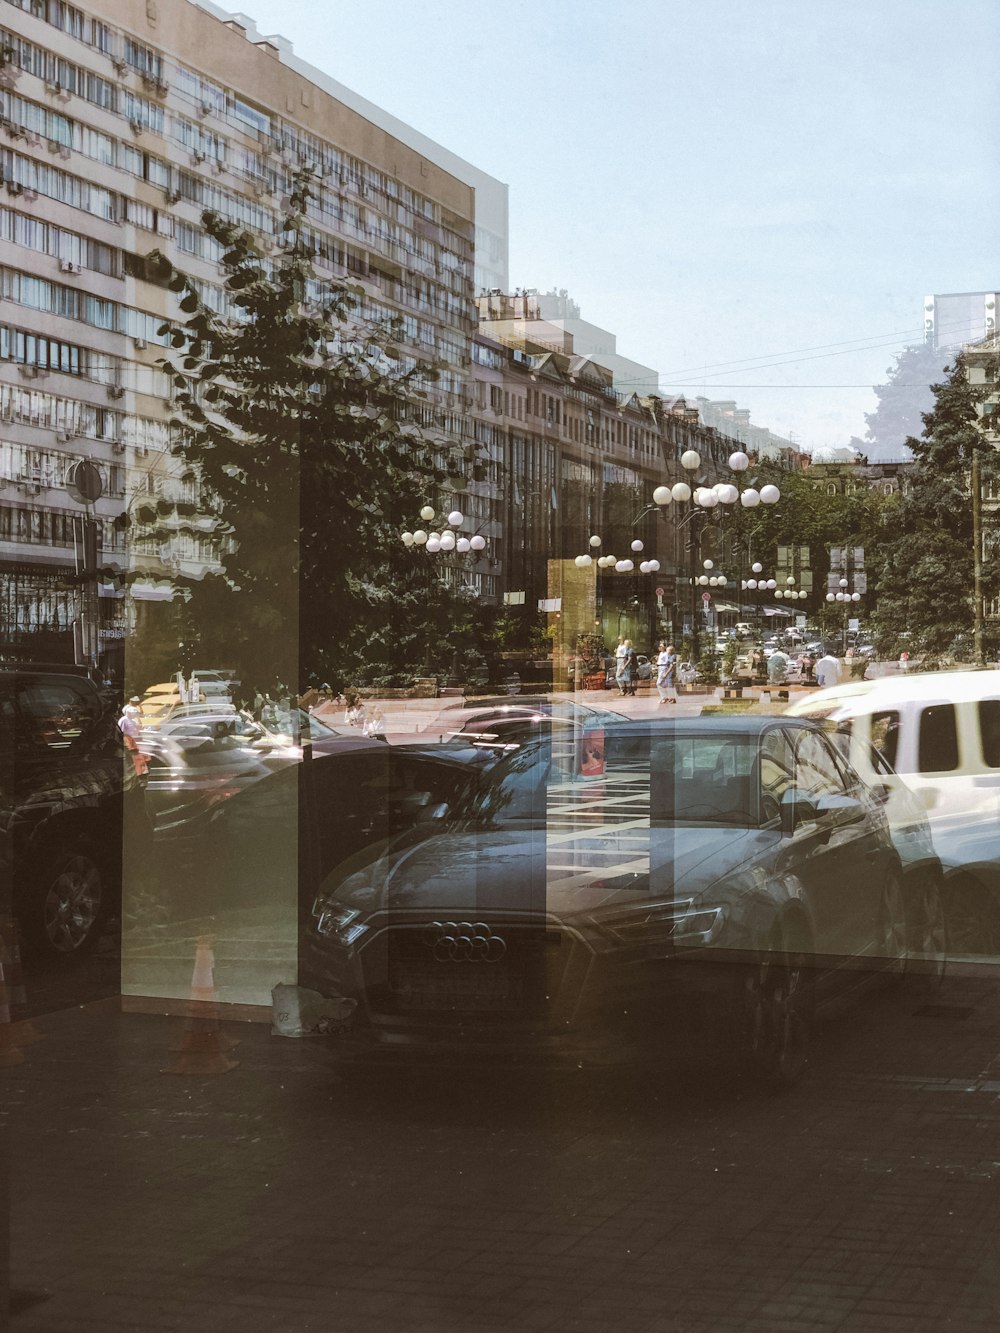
(726,606)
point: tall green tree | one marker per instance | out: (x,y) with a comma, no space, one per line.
(926,560)
(295,414)
(902,401)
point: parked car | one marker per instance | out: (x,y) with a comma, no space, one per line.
(204,758)
(920,861)
(940,732)
(731,877)
(68,791)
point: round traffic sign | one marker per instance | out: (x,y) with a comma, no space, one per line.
(659,592)
(706,596)
(84,483)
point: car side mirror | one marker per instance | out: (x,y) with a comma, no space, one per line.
(840,809)
(795,808)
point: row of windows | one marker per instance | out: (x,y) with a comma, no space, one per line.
(207,96)
(52,411)
(39,526)
(43,353)
(937,737)
(50,467)
(47,239)
(55,298)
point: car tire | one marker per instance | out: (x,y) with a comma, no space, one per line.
(773,1012)
(891,931)
(67,904)
(973,916)
(927,933)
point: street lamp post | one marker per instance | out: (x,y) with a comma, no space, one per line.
(702,500)
(448,542)
(759,587)
(847,597)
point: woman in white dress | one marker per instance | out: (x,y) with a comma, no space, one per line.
(666,664)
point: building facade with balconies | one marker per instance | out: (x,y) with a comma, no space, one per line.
(121,122)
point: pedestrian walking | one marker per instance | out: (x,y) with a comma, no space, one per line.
(904,660)
(827,670)
(621,652)
(777,666)
(130,726)
(631,672)
(374,725)
(354,714)
(666,665)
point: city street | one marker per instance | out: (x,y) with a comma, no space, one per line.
(286,1196)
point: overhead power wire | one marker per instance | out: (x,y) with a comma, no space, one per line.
(873,340)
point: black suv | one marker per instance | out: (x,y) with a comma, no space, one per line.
(67,786)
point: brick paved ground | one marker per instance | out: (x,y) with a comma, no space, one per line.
(282,1196)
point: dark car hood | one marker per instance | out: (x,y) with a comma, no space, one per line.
(511,870)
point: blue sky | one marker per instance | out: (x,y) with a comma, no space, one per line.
(716,182)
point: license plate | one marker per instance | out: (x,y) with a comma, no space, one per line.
(443,989)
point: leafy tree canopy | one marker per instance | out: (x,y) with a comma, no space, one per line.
(902,402)
(926,559)
(295,413)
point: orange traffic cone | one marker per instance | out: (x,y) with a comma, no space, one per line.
(13,1035)
(203,1048)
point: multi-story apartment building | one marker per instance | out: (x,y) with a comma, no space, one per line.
(121,121)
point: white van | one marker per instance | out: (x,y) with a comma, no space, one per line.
(939,730)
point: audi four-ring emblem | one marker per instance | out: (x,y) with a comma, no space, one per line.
(464,942)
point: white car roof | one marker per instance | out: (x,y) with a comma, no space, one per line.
(955,686)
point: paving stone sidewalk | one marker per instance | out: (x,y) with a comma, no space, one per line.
(285,1196)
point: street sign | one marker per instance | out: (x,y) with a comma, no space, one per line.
(853,625)
(659,592)
(706,597)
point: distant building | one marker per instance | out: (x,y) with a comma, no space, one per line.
(552,319)
(954,318)
(725,416)
(835,474)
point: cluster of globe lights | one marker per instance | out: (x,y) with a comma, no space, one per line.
(446,540)
(612,562)
(722,493)
(709,580)
(843,595)
(789,592)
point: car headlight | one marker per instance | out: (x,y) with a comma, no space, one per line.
(677,923)
(338,921)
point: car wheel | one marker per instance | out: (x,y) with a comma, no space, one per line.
(973,917)
(774,1014)
(927,945)
(65,914)
(891,931)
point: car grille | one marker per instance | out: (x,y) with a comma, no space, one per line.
(446,971)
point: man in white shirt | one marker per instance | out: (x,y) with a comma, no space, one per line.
(827,670)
